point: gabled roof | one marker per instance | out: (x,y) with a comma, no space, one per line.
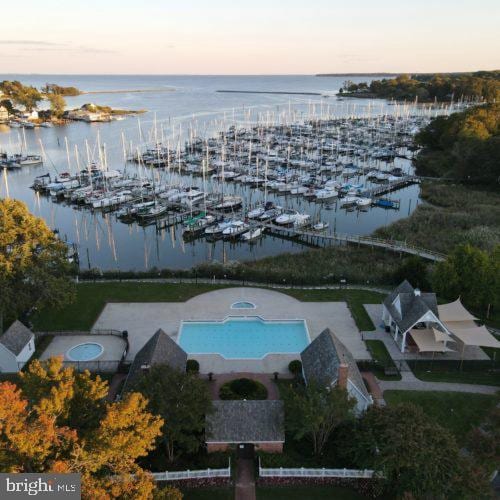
(246,422)
(414,305)
(159,349)
(321,360)
(16,337)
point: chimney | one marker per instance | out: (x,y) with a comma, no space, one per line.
(342,377)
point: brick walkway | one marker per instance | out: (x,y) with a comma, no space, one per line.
(245,480)
(374,388)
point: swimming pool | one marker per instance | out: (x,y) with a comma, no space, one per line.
(243,337)
(85,352)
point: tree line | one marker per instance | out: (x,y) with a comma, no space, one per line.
(464,146)
(481,85)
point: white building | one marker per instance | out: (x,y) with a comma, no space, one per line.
(412,318)
(17,345)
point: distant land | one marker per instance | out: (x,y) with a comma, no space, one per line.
(357,74)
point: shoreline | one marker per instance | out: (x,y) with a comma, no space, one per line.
(267,92)
(124,91)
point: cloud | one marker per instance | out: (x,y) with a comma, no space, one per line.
(44,43)
(47,46)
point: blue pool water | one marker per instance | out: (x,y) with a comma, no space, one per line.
(85,352)
(243,338)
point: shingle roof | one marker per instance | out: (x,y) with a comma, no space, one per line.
(159,349)
(246,422)
(322,357)
(16,337)
(413,306)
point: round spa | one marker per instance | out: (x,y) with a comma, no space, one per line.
(85,352)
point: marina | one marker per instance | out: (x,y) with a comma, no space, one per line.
(239,185)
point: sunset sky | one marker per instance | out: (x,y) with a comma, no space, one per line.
(251,37)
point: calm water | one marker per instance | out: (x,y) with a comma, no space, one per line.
(181,102)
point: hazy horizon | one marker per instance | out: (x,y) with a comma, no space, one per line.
(258,38)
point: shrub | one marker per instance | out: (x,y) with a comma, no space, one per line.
(295,367)
(243,388)
(192,366)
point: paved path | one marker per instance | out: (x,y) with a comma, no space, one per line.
(245,480)
(374,388)
(407,384)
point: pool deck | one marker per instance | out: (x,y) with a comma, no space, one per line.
(112,345)
(142,320)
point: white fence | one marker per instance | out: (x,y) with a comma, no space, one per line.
(303,472)
(192,474)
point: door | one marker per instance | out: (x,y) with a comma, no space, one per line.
(245,450)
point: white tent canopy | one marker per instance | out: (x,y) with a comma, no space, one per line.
(476,336)
(454,311)
(426,341)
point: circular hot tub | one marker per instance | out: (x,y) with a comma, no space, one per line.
(85,352)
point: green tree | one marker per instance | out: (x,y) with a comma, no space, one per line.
(26,96)
(57,104)
(470,273)
(413,269)
(34,269)
(183,401)
(314,411)
(416,457)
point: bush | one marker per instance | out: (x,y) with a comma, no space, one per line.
(192,366)
(243,388)
(295,367)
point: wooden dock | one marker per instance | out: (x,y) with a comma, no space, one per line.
(391,186)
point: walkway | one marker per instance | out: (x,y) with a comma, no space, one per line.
(245,480)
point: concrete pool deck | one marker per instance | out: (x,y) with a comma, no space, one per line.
(142,320)
(113,347)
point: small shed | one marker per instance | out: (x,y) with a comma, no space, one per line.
(17,345)
(256,423)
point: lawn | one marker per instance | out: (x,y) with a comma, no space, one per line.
(306,492)
(382,358)
(92,297)
(456,411)
(485,374)
(208,494)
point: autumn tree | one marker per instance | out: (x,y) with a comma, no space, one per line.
(26,96)
(415,456)
(34,269)
(183,401)
(57,104)
(315,411)
(57,420)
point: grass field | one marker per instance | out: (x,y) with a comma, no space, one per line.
(381,355)
(306,492)
(92,297)
(456,411)
(443,373)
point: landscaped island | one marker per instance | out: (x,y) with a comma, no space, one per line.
(14,93)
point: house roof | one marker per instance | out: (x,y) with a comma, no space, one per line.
(322,357)
(246,422)
(413,303)
(16,337)
(159,349)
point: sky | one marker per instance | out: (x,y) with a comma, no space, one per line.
(248,37)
